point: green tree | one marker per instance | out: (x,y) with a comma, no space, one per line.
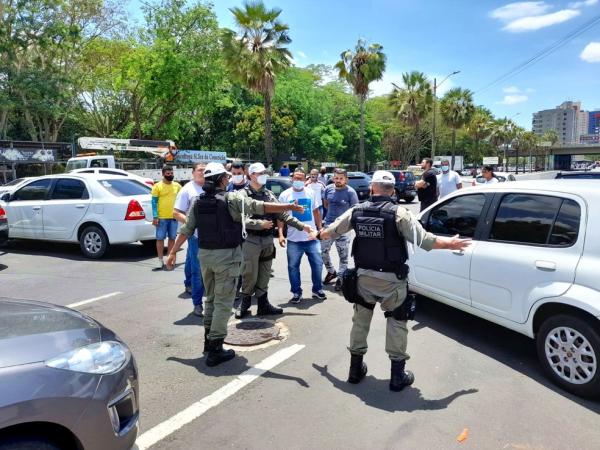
(412,103)
(257,55)
(503,133)
(359,68)
(550,136)
(479,129)
(457,108)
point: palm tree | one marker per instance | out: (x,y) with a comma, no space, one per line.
(359,68)
(457,108)
(550,136)
(503,133)
(257,54)
(412,103)
(479,128)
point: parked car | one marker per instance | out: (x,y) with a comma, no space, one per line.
(67,381)
(589,175)
(405,185)
(94,210)
(118,172)
(532,268)
(500,176)
(14,184)
(3,226)
(359,181)
(278,184)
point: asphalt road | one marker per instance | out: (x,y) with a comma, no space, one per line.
(470,374)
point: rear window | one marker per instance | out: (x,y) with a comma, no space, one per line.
(124,188)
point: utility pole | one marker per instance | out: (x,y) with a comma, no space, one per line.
(435,86)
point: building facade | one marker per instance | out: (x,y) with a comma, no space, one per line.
(568,120)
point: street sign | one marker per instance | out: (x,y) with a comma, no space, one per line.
(491,160)
(194,156)
(27,155)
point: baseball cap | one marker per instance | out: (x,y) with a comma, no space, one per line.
(256,168)
(383,176)
(213,169)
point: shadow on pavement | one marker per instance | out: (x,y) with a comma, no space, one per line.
(236,366)
(305,303)
(190,319)
(508,347)
(375,393)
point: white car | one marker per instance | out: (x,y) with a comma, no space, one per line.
(501,176)
(94,210)
(117,172)
(533,267)
(14,184)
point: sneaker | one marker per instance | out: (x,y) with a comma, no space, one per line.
(199,311)
(296,298)
(338,285)
(320,295)
(330,277)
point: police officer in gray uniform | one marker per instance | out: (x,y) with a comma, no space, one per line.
(216,215)
(380,254)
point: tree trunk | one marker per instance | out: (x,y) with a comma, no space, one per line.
(361,143)
(517,161)
(268,135)
(453,148)
(477,158)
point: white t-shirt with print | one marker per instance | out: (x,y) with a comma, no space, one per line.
(306,198)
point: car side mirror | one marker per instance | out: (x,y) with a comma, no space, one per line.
(5,197)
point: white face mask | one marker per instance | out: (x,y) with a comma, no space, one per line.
(237,179)
(261,179)
(298,185)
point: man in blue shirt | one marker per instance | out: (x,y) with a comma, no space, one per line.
(337,199)
(284,171)
(238,177)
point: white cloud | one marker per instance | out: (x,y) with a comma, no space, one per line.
(537,22)
(583,4)
(517,10)
(511,90)
(301,54)
(591,52)
(513,99)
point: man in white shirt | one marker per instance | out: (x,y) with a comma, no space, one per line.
(318,187)
(183,203)
(299,242)
(448,181)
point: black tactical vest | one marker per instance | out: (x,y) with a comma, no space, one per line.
(262,196)
(216,227)
(378,245)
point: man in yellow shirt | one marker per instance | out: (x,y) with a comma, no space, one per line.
(164,194)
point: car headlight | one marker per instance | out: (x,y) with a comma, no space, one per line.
(99,358)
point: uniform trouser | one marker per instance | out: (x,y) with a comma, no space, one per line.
(258,252)
(343,246)
(396,330)
(220,271)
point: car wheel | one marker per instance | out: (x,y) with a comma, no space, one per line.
(27,443)
(409,199)
(93,242)
(568,348)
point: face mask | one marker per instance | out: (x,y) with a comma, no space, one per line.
(237,179)
(298,185)
(445,168)
(261,179)
(169,177)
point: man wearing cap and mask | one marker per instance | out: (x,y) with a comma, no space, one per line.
(258,248)
(380,254)
(219,216)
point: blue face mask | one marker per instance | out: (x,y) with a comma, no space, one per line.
(298,185)
(445,168)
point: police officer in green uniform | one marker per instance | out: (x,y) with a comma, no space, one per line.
(380,254)
(218,217)
(258,249)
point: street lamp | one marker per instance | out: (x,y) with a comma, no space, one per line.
(435,86)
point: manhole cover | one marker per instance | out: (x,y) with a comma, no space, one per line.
(251,332)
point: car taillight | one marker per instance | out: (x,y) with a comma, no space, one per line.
(402,177)
(135,211)
(2,213)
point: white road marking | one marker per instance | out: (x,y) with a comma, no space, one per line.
(192,412)
(91,300)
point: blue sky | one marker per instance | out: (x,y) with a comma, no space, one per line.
(481,38)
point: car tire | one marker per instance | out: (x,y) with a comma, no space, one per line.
(28,443)
(93,242)
(554,350)
(409,199)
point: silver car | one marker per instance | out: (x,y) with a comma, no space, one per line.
(66,382)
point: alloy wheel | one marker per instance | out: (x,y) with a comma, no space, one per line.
(570,355)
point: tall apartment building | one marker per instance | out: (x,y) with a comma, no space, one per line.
(568,120)
(592,132)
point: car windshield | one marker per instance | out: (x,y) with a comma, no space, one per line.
(124,188)
(14,182)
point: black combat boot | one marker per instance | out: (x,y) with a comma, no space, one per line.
(265,308)
(216,353)
(358,369)
(206,345)
(244,308)
(400,378)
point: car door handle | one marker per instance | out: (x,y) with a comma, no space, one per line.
(458,252)
(549,266)
(80,206)
(36,208)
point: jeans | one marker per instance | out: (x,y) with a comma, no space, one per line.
(166,227)
(193,276)
(295,251)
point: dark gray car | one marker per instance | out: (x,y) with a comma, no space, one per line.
(66,382)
